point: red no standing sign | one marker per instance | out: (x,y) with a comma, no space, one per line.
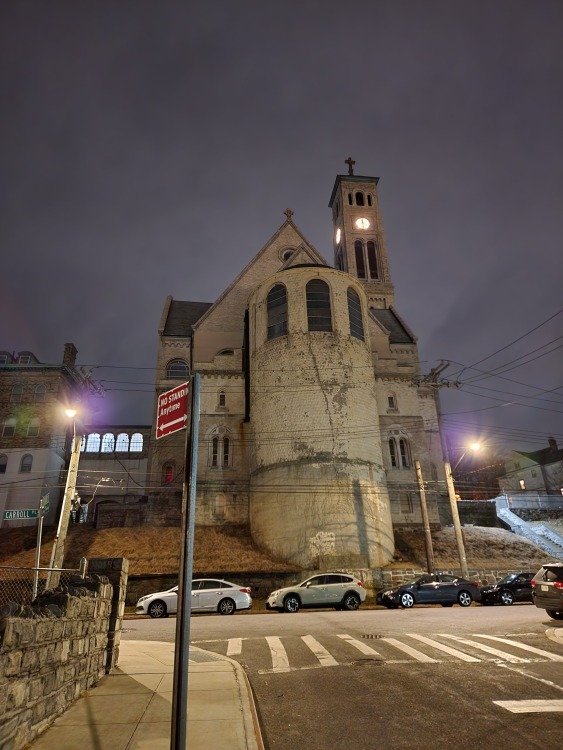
(172,411)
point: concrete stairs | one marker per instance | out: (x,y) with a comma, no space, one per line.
(541,536)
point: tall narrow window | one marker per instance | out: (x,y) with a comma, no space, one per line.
(136,444)
(40,391)
(393,452)
(355,315)
(369,199)
(9,429)
(350,201)
(215,451)
(177,368)
(405,453)
(372,261)
(93,443)
(108,443)
(226,451)
(360,263)
(222,398)
(33,427)
(359,199)
(17,392)
(122,444)
(26,463)
(167,473)
(276,305)
(392,402)
(319,315)
(3,463)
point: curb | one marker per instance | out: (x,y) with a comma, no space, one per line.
(555,635)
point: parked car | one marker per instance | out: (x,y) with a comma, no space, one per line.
(432,588)
(515,587)
(208,595)
(338,590)
(547,588)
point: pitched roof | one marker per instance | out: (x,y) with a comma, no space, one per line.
(544,456)
(182,316)
(398,334)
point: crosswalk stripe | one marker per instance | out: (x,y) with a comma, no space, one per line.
(418,655)
(280,662)
(531,706)
(531,649)
(482,647)
(234,646)
(441,647)
(321,653)
(362,647)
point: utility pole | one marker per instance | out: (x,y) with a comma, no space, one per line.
(425,521)
(457,524)
(57,553)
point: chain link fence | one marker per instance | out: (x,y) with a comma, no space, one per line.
(22,585)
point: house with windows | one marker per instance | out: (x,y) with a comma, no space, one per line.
(35,434)
(532,472)
(312,412)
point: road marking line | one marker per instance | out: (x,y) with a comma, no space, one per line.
(531,706)
(487,649)
(531,649)
(234,646)
(326,659)
(280,662)
(363,647)
(442,647)
(418,655)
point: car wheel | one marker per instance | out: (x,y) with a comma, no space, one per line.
(157,609)
(291,603)
(226,607)
(351,602)
(464,598)
(506,598)
(407,600)
(556,614)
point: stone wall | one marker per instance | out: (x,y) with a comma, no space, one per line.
(389,578)
(473,512)
(538,514)
(54,650)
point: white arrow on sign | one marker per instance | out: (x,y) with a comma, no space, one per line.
(163,427)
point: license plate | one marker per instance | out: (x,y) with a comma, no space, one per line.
(545,588)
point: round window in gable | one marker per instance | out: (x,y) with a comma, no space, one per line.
(286,254)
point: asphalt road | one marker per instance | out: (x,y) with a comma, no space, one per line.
(392,679)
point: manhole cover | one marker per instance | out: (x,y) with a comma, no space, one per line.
(371,636)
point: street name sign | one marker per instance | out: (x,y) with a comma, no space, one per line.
(18,515)
(172,411)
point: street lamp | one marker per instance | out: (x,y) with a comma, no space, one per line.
(57,553)
(474,446)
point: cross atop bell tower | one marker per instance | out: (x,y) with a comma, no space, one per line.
(359,241)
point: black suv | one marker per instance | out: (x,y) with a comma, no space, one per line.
(515,587)
(547,588)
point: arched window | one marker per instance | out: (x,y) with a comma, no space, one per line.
(393,452)
(219,506)
(122,444)
(226,451)
(220,448)
(391,402)
(9,428)
(360,262)
(108,443)
(215,452)
(3,463)
(405,453)
(168,473)
(93,443)
(276,304)
(17,393)
(26,463)
(355,315)
(286,255)
(359,199)
(350,201)
(369,199)
(33,427)
(40,392)
(372,260)
(222,398)
(136,444)
(177,368)
(319,315)
(339,259)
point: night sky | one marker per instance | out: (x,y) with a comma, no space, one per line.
(150,148)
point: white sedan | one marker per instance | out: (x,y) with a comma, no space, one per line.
(208,595)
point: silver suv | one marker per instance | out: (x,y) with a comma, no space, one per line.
(547,589)
(338,590)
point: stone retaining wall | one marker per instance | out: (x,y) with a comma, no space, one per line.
(538,514)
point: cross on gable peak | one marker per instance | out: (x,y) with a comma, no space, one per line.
(350,162)
(289,213)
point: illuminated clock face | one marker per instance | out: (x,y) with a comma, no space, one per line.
(338,233)
(362,223)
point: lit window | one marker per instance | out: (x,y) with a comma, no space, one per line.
(3,463)
(136,445)
(9,428)
(93,443)
(276,304)
(17,393)
(522,484)
(355,315)
(122,444)
(319,314)
(26,463)
(108,443)
(177,368)
(33,428)
(40,392)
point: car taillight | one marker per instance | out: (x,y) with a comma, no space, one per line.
(359,583)
(558,584)
(247,590)
(534,584)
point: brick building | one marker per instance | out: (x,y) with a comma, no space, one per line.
(311,415)
(34,431)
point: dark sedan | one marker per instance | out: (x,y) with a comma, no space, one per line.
(515,587)
(433,588)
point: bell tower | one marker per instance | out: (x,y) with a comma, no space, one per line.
(359,241)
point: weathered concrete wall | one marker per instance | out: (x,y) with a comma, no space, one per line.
(475,512)
(538,514)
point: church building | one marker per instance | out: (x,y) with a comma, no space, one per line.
(312,415)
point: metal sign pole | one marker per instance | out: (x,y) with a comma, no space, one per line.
(38,545)
(178,736)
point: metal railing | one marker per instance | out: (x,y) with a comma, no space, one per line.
(22,585)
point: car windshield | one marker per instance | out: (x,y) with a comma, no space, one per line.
(507,579)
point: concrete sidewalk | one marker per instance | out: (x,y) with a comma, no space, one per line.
(130,709)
